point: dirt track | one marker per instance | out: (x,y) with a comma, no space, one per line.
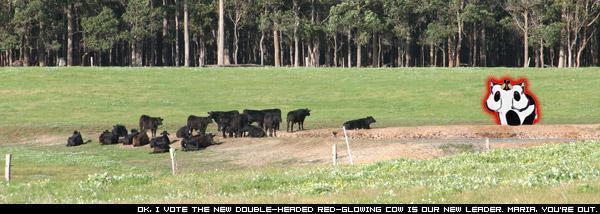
(424,142)
(462,132)
(310,147)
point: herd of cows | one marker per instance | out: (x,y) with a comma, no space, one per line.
(193,134)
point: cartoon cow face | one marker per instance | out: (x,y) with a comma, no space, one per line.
(511,103)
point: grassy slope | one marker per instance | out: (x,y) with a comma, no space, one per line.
(94,98)
(92,173)
(59,100)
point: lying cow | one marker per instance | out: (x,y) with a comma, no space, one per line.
(161,144)
(75,139)
(128,140)
(363,123)
(141,139)
(107,138)
(254,131)
(271,124)
(183,132)
(197,142)
(198,123)
(218,116)
(297,116)
(152,123)
(119,131)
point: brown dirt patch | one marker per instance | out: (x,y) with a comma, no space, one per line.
(311,147)
(578,132)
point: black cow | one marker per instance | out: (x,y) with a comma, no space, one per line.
(233,124)
(255,116)
(107,138)
(198,123)
(271,124)
(363,123)
(197,142)
(161,144)
(75,139)
(128,140)
(217,116)
(152,123)
(254,131)
(119,130)
(141,139)
(183,132)
(297,116)
(276,113)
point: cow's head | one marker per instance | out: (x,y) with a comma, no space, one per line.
(165,133)
(307,112)
(370,119)
(159,121)
(504,97)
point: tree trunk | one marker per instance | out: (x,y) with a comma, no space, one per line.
(526,40)
(221,34)
(335,48)
(70,35)
(281,49)
(277,57)
(541,53)
(561,55)
(349,50)
(375,55)
(262,50)
(450,53)
(186,35)
(235,43)
(432,55)
(165,34)
(358,55)
(177,33)
(483,49)
(407,51)
(296,39)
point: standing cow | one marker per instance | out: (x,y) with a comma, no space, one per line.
(198,123)
(218,116)
(297,116)
(276,114)
(271,124)
(152,123)
(255,116)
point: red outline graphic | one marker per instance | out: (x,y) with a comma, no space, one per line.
(512,81)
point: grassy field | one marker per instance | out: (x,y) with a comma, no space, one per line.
(560,173)
(51,102)
(62,99)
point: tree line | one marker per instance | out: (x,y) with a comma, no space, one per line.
(336,33)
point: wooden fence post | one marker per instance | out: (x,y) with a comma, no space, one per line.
(7,168)
(348,145)
(334,153)
(487,144)
(173,163)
